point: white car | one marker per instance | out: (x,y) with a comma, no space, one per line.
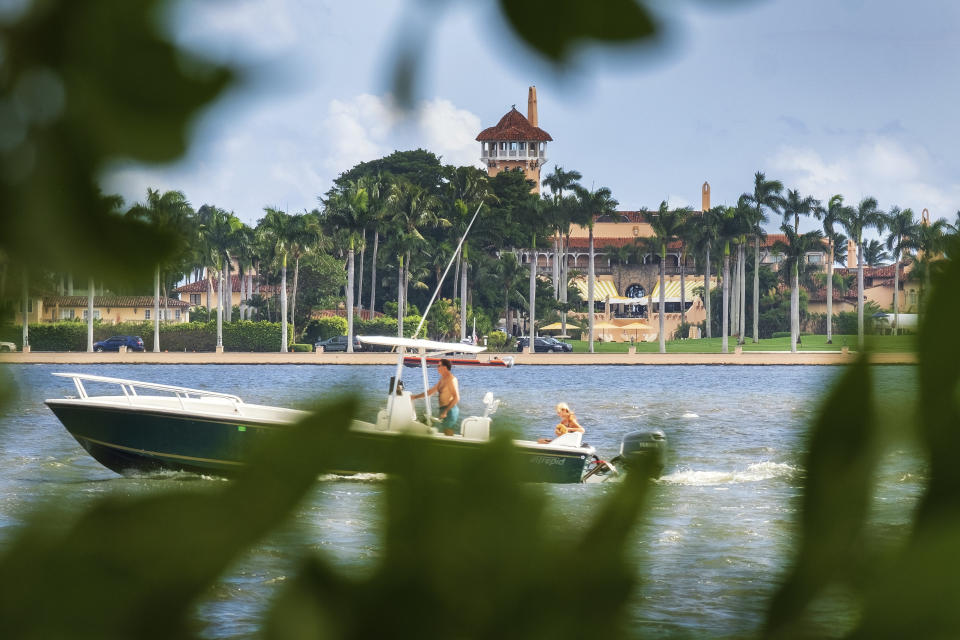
(7,346)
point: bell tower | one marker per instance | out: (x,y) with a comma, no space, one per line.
(705,197)
(516,142)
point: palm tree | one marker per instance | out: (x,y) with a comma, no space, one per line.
(557,182)
(220,232)
(509,273)
(686,234)
(169,213)
(274,231)
(829,216)
(346,211)
(729,229)
(902,237)
(855,221)
(795,250)
(412,209)
(874,254)
(766,195)
(930,243)
(666,225)
(706,236)
(590,206)
(794,205)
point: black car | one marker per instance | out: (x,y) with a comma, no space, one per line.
(544,345)
(132,343)
(338,343)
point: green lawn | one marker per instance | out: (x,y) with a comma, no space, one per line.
(885,344)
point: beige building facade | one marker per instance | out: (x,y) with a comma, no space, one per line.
(109,309)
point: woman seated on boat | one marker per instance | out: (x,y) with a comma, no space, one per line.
(568,423)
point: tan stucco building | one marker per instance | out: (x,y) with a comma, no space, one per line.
(110,309)
(516,142)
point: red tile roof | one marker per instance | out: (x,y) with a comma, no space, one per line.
(140,302)
(200,286)
(885,271)
(514,126)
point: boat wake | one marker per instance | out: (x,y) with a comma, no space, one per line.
(352,477)
(756,472)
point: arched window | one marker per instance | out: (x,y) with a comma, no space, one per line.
(636,291)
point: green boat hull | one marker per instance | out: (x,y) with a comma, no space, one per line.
(140,440)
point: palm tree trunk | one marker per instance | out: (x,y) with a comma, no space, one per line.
(220,309)
(663,280)
(830,296)
(406,281)
(156,310)
(463,297)
(706,293)
(373,273)
(293,301)
(507,327)
(350,275)
(756,289)
(860,293)
(228,285)
(735,296)
(456,277)
(794,307)
(90,315)
(283,306)
(209,292)
(400,298)
(683,291)
(363,250)
(563,283)
(726,295)
(590,271)
(743,294)
(26,311)
(896,303)
(533,296)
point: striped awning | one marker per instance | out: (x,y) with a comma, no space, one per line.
(603,288)
(671,290)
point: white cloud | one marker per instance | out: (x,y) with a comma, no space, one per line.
(877,166)
(450,132)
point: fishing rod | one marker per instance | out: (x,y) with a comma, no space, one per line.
(446,271)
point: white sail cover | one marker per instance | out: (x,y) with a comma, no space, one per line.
(418,345)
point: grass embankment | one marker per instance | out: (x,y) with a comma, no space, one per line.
(880,344)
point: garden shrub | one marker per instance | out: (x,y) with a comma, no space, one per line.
(327,327)
(301,348)
(497,341)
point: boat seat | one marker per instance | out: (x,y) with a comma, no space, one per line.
(571,439)
(403,413)
(475,428)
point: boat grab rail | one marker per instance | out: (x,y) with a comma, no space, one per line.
(129,388)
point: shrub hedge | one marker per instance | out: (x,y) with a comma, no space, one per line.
(187,336)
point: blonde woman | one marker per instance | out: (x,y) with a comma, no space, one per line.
(568,423)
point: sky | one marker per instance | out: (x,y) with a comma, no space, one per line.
(856,97)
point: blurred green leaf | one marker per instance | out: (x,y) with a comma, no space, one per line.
(83,84)
(470,555)
(840,465)
(134,568)
(917,596)
(555,28)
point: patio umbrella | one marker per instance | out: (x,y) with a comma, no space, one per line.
(603,324)
(637,327)
(556,326)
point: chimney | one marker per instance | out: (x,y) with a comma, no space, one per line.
(705,197)
(532,105)
(851,254)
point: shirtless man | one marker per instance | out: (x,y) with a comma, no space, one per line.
(449,396)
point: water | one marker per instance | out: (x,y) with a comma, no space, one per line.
(712,547)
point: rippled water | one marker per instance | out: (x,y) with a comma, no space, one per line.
(711,548)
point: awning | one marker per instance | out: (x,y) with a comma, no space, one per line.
(603,288)
(672,289)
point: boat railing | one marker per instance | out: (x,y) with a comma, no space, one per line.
(129,389)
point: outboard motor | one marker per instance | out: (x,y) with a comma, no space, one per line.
(643,450)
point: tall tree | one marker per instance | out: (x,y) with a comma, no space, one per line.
(167,213)
(686,235)
(829,216)
(274,231)
(766,196)
(590,206)
(221,230)
(705,239)
(902,236)
(558,182)
(794,206)
(855,221)
(795,250)
(666,226)
(346,210)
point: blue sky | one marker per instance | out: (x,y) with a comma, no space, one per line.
(850,97)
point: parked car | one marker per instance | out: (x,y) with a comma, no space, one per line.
(544,345)
(132,343)
(7,346)
(338,343)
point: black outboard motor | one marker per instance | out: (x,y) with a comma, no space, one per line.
(643,450)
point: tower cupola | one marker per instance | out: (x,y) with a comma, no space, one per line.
(516,142)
